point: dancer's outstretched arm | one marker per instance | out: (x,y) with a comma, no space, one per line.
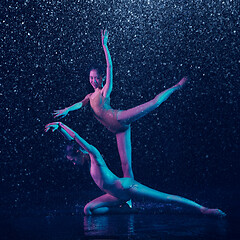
(99,171)
(63,112)
(107,89)
(72,135)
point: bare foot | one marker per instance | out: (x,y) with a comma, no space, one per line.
(181,82)
(213,212)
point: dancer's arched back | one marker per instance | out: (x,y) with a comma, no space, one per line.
(120,190)
(116,121)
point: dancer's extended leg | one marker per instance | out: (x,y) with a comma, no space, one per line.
(133,114)
(139,191)
(103,204)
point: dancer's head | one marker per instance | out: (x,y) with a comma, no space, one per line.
(96,76)
(76,154)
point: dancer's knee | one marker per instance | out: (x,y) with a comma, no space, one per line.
(156,102)
(88,209)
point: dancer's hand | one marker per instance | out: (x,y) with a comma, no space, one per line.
(61,113)
(53,126)
(104,34)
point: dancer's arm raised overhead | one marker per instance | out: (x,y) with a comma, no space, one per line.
(107,89)
(63,112)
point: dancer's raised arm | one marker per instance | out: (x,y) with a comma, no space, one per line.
(72,135)
(107,89)
(63,112)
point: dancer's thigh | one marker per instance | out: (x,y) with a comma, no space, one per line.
(105,200)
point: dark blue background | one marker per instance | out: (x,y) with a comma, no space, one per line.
(189,146)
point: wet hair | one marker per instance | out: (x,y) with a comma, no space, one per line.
(100,69)
(76,154)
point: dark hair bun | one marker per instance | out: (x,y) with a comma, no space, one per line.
(100,69)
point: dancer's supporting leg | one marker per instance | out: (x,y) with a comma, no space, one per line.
(125,152)
(133,114)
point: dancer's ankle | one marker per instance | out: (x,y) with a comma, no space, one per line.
(180,84)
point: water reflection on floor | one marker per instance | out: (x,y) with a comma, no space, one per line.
(37,218)
(154,226)
(122,226)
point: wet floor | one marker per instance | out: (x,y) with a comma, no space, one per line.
(147,224)
(59,215)
(127,226)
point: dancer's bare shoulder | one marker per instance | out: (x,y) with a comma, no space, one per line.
(86,99)
(88,95)
(96,93)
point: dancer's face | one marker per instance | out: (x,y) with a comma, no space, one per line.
(95,79)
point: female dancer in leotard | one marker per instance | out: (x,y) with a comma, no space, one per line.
(116,121)
(120,190)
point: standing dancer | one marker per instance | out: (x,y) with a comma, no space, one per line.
(120,190)
(116,121)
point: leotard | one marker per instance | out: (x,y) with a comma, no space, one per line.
(104,113)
